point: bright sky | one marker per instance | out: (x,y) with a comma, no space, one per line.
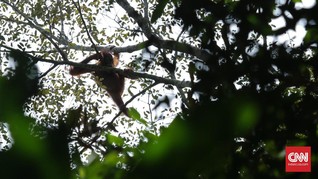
(297,35)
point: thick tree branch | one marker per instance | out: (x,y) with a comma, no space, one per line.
(155,40)
(141,21)
(146,12)
(163,44)
(128,49)
(183,47)
(126,73)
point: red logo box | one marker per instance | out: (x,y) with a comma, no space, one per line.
(298,159)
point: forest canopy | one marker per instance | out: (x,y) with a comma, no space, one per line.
(218,88)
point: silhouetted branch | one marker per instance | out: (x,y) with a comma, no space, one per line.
(130,100)
(78,7)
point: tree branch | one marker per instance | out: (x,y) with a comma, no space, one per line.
(78,7)
(126,73)
(48,71)
(141,21)
(46,34)
(144,24)
(146,12)
(163,44)
(129,101)
(13,20)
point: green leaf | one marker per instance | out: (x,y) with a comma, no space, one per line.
(136,116)
(247,116)
(114,139)
(175,138)
(311,35)
(159,10)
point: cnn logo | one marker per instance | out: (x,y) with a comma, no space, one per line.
(298,159)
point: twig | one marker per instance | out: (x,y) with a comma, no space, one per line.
(45,73)
(150,112)
(60,4)
(173,76)
(182,94)
(78,7)
(127,102)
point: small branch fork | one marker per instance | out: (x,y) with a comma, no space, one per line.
(110,124)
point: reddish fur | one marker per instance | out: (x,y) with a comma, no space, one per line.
(114,82)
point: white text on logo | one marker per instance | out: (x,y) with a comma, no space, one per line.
(298,157)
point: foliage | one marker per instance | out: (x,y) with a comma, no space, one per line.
(30,157)
(249,88)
